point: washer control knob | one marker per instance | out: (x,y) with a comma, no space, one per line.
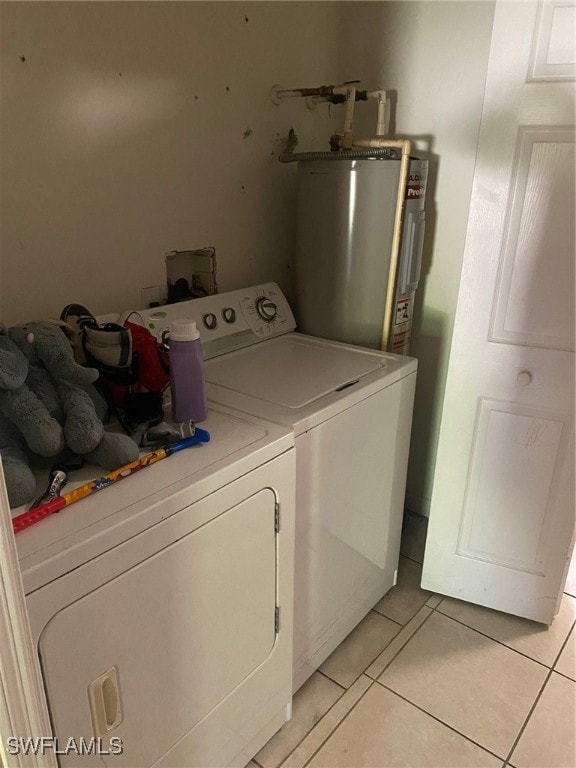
(209,321)
(229,314)
(266,308)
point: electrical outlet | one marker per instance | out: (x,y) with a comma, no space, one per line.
(151,294)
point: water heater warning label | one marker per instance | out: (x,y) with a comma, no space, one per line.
(402,312)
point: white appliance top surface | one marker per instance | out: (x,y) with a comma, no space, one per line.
(292,371)
(301,381)
(98,522)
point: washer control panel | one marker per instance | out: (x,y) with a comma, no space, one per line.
(227,321)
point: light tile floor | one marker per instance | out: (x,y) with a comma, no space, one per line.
(431,682)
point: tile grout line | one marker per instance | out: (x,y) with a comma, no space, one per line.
(352,708)
(504,761)
(403,645)
(528,716)
(442,722)
(376,680)
(566,677)
(308,732)
(324,674)
(432,610)
(544,684)
(549,674)
(345,690)
(435,610)
(411,558)
(363,673)
(489,637)
(564,644)
(539,696)
(373,610)
(438,604)
(307,760)
(327,676)
(313,725)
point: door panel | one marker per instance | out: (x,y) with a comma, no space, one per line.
(515,458)
(535,299)
(553,43)
(502,512)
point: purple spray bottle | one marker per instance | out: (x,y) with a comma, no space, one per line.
(186,372)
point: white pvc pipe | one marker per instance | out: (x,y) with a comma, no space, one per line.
(383,144)
(350,92)
(406,147)
(381,123)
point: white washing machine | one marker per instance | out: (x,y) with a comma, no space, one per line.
(350,409)
(162,606)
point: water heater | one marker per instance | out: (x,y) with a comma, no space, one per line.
(353,284)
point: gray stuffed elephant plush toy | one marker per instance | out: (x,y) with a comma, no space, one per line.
(47,409)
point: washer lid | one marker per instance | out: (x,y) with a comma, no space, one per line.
(292,371)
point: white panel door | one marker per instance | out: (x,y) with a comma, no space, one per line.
(502,514)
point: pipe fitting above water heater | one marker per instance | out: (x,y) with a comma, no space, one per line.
(346,93)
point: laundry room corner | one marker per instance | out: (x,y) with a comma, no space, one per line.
(287,333)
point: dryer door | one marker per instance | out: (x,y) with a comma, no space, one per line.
(145,657)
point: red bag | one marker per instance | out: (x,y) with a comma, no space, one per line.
(129,358)
(150,363)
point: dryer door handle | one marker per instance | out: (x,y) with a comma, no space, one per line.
(105,703)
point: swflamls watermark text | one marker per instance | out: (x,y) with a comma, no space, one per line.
(41,745)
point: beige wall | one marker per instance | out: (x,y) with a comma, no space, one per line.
(435,55)
(132,129)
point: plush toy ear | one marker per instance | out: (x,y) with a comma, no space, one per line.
(13,364)
(55,352)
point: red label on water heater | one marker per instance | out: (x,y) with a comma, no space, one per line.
(413,191)
(402,315)
(416,186)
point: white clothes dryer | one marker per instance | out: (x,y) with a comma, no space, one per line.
(162,606)
(350,409)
